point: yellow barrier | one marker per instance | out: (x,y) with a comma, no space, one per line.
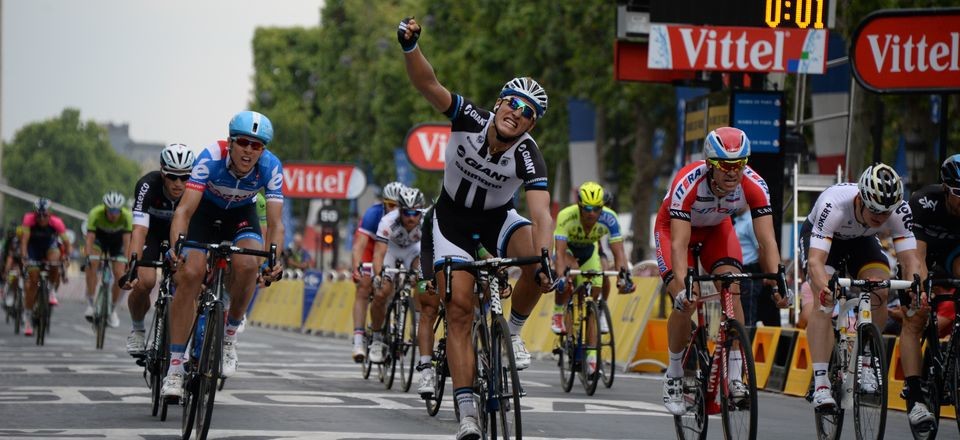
(642,341)
(765,342)
(321,304)
(342,312)
(279,305)
(895,380)
(536,331)
(801,368)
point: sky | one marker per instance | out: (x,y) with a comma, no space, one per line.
(174,70)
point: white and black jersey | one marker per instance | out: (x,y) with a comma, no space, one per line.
(477,180)
(152,209)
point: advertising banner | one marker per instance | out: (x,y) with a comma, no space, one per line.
(760,115)
(425,145)
(737,49)
(908,51)
(322,180)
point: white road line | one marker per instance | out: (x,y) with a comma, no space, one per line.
(226,433)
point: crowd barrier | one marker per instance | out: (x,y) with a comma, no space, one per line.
(639,323)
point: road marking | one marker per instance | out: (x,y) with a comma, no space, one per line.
(225,433)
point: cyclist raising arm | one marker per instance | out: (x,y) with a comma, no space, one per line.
(156,195)
(843,227)
(490,154)
(222,189)
(697,210)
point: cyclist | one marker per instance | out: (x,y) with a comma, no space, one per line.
(580,227)
(490,154)
(157,193)
(697,209)
(398,239)
(42,232)
(109,225)
(936,224)
(222,187)
(843,226)
(9,257)
(363,244)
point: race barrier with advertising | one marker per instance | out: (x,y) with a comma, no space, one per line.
(782,355)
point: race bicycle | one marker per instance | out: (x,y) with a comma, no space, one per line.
(41,306)
(706,376)
(582,318)
(439,362)
(203,368)
(401,327)
(103,301)
(155,360)
(496,381)
(857,368)
(941,359)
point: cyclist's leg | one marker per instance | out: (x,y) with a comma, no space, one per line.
(91,272)
(561,298)
(592,263)
(118,271)
(378,307)
(362,300)
(819,324)
(678,323)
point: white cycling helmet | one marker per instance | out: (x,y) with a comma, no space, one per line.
(529,89)
(411,198)
(391,191)
(113,200)
(176,159)
(880,188)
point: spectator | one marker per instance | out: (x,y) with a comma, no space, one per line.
(295,256)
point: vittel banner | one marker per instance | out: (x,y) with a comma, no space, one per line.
(908,50)
(322,181)
(425,145)
(736,49)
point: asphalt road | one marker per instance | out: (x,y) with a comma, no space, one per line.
(292,385)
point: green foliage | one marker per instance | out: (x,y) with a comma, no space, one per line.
(67,160)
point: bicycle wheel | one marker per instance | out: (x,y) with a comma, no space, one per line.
(953,381)
(738,413)
(209,368)
(869,384)
(587,378)
(17,310)
(159,361)
(392,337)
(101,315)
(567,351)
(692,425)
(407,347)
(441,372)
(606,352)
(189,399)
(829,423)
(481,384)
(366,365)
(506,388)
(41,313)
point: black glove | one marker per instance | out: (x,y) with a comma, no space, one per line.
(410,44)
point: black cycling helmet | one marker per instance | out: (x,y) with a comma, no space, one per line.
(950,171)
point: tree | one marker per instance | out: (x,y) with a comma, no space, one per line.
(67,160)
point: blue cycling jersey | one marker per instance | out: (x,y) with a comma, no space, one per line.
(220,186)
(371,219)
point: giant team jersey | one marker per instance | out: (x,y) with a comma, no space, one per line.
(392,232)
(212,176)
(834,218)
(475,179)
(690,197)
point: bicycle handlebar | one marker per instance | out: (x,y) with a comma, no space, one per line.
(592,273)
(779,276)
(227,248)
(494,264)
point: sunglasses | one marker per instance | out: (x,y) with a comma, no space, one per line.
(113,211)
(952,190)
(247,143)
(410,212)
(728,166)
(180,177)
(525,109)
(590,208)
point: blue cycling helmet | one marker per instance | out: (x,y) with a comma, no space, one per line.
(950,171)
(252,124)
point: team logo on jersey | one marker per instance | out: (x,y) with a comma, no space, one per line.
(928,203)
(276,179)
(823,215)
(469,111)
(200,170)
(504,161)
(461,151)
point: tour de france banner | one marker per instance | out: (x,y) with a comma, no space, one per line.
(737,49)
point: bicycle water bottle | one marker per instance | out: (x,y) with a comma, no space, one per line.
(482,252)
(198,336)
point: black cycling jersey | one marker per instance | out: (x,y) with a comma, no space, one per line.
(150,202)
(933,224)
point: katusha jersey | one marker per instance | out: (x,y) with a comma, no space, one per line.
(834,218)
(150,202)
(392,232)
(475,179)
(570,229)
(220,186)
(690,197)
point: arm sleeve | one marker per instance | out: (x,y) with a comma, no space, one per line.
(901,228)
(273,172)
(57,224)
(92,219)
(609,219)
(757,193)
(456,102)
(383,229)
(127,220)
(371,221)
(827,215)
(563,219)
(201,171)
(531,167)
(141,193)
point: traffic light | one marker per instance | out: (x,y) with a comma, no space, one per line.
(328,238)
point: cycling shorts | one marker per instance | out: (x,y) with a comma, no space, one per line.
(236,223)
(720,247)
(407,256)
(151,245)
(850,256)
(108,243)
(37,250)
(454,228)
(588,258)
